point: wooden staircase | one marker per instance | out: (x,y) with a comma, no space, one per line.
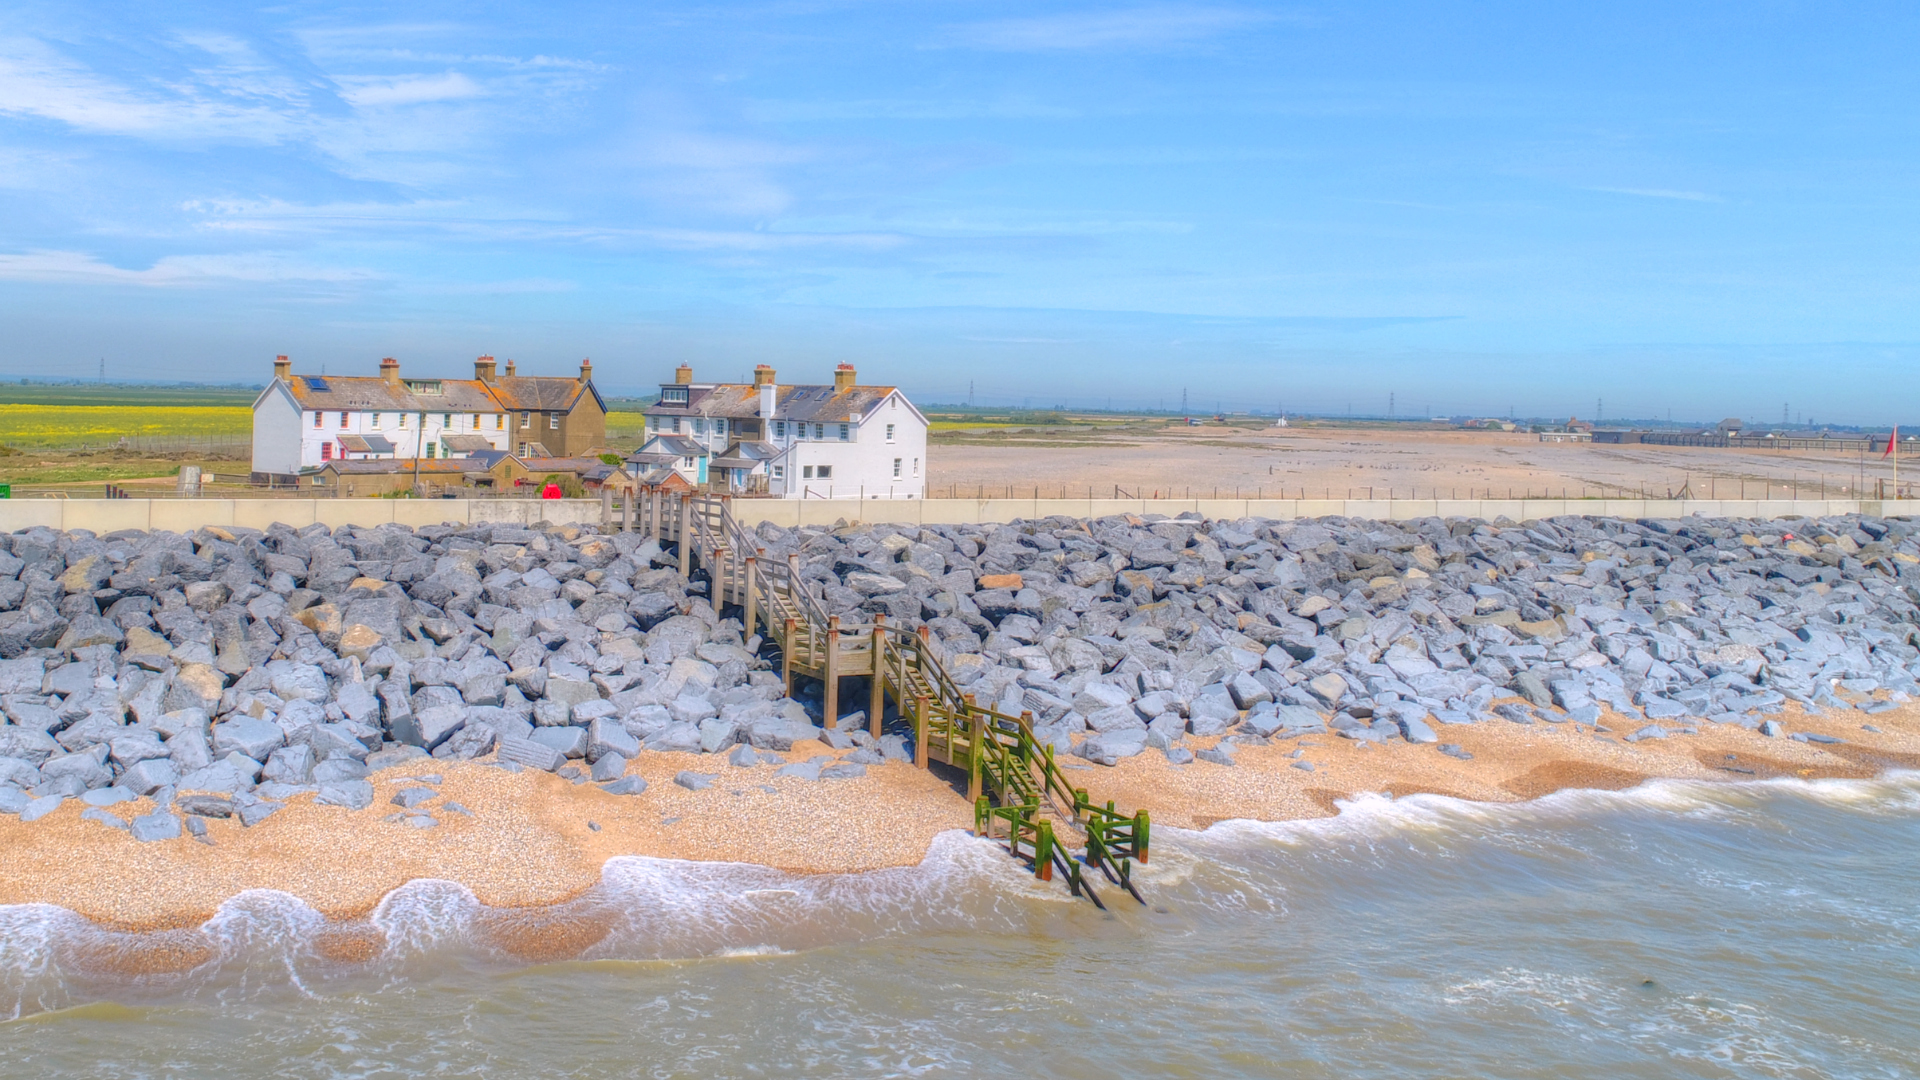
(1013,783)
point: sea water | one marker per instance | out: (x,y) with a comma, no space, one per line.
(1676,930)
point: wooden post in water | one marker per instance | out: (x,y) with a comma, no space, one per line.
(833,671)
(878,696)
(753,563)
(1043,850)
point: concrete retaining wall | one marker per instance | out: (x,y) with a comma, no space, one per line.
(107,515)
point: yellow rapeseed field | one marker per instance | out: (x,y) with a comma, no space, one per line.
(103,425)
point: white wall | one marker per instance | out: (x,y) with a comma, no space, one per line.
(276,436)
(407,442)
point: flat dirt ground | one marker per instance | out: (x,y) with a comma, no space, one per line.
(1354,461)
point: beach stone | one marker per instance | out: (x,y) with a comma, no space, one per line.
(1650,731)
(843,770)
(1771,728)
(41,807)
(1178,755)
(338,768)
(145,777)
(107,796)
(1108,748)
(159,825)
(1416,730)
(529,753)
(410,797)
(1216,755)
(391,755)
(350,794)
(1329,688)
(695,781)
(606,735)
(1304,766)
(1454,750)
(609,766)
(113,821)
(204,806)
(569,741)
(805,770)
(629,785)
(255,812)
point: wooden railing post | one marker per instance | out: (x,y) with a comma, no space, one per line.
(606,509)
(976,731)
(786,657)
(833,670)
(747,601)
(653,516)
(684,529)
(921,749)
(1043,850)
(878,697)
(626,510)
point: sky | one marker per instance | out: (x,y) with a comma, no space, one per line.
(1635,209)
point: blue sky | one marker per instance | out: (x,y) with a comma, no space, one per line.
(1707,208)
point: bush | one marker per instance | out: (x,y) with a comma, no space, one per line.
(570,486)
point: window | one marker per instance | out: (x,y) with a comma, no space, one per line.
(676,424)
(403,421)
(553,421)
(343,421)
(846,432)
(686,463)
(819,431)
(896,468)
(432,451)
(326,451)
(916,468)
(699,426)
(720,427)
(317,419)
(673,394)
(526,420)
(317,481)
(376,421)
(476,421)
(823,472)
(523,449)
(780,429)
(889,432)
(779,472)
(446,421)
(499,421)
(806,472)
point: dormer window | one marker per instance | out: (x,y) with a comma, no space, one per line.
(673,395)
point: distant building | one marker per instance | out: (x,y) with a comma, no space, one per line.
(817,441)
(303,422)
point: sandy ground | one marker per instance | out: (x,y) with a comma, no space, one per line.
(1356,462)
(531,839)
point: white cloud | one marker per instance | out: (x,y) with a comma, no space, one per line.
(76,268)
(1660,193)
(37,81)
(1147,27)
(408,90)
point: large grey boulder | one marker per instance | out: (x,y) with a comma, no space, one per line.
(243,734)
(569,741)
(159,825)
(1107,748)
(350,794)
(530,753)
(146,777)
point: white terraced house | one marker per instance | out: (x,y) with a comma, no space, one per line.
(303,422)
(839,441)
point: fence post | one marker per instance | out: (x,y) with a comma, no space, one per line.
(833,671)
(606,509)
(720,572)
(626,510)
(1141,828)
(1043,850)
(878,696)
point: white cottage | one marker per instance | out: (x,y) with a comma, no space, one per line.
(839,441)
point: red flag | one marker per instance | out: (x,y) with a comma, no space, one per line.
(1891,439)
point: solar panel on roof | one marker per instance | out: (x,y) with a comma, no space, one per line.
(319,383)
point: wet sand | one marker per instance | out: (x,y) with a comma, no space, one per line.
(532,840)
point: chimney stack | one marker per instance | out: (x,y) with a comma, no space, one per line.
(282,368)
(483,369)
(763,375)
(390,371)
(683,375)
(843,378)
(509,369)
(586,370)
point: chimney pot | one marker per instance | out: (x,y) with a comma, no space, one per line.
(483,369)
(843,378)
(683,375)
(586,370)
(509,369)
(763,375)
(282,367)
(390,370)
